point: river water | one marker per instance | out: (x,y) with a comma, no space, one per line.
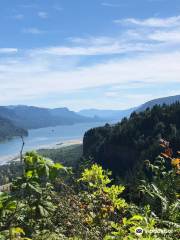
(44,137)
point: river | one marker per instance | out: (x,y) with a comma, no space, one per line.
(42,138)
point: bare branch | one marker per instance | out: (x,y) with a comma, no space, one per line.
(21,152)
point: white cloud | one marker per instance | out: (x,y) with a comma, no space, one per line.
(172,36)
(157,34)
(111,94)
(28,5)
(92,46)
(116,48)
(27,79)
(156,0)
(19,16)
(43,15)
(99,41)
(113,5)
(58,8)
(152,22)
(150,56)
(33,30)
(8,50)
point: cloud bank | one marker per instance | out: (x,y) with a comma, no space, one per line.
(149,54)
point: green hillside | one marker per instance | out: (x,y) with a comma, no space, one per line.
(30,117)
(45,199)
(124,146)
(9,130)
(69,155)
(159,101)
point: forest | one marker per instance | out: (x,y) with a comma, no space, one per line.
(123,147)
(94,198)
(9,130)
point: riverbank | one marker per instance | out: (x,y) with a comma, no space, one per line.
(15,158)
(44,138)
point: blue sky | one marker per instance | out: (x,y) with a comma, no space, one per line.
(107,54)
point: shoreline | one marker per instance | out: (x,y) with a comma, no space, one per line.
(4,160)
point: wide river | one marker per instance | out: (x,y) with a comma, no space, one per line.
(44,137)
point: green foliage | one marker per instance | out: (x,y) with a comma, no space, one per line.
(96,177)
(161,191)
(48,202)
(30,200)
(128,228)
(68,155)
(123,147)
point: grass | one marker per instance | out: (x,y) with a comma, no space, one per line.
(68,155)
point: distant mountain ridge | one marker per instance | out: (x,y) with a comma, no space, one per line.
(117,115)
(15,120)
(159,101)
(30,117)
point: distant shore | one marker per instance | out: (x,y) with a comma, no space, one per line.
(10,158)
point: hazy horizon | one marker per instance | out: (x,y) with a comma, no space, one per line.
(91,108)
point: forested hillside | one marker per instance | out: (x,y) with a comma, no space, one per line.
(117,115)
(108,115)
(159,101)
(124,146)
(47,200)
(8,130)
(16,120)
(29,117)
(68,156)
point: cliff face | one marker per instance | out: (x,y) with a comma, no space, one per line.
(123,147)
